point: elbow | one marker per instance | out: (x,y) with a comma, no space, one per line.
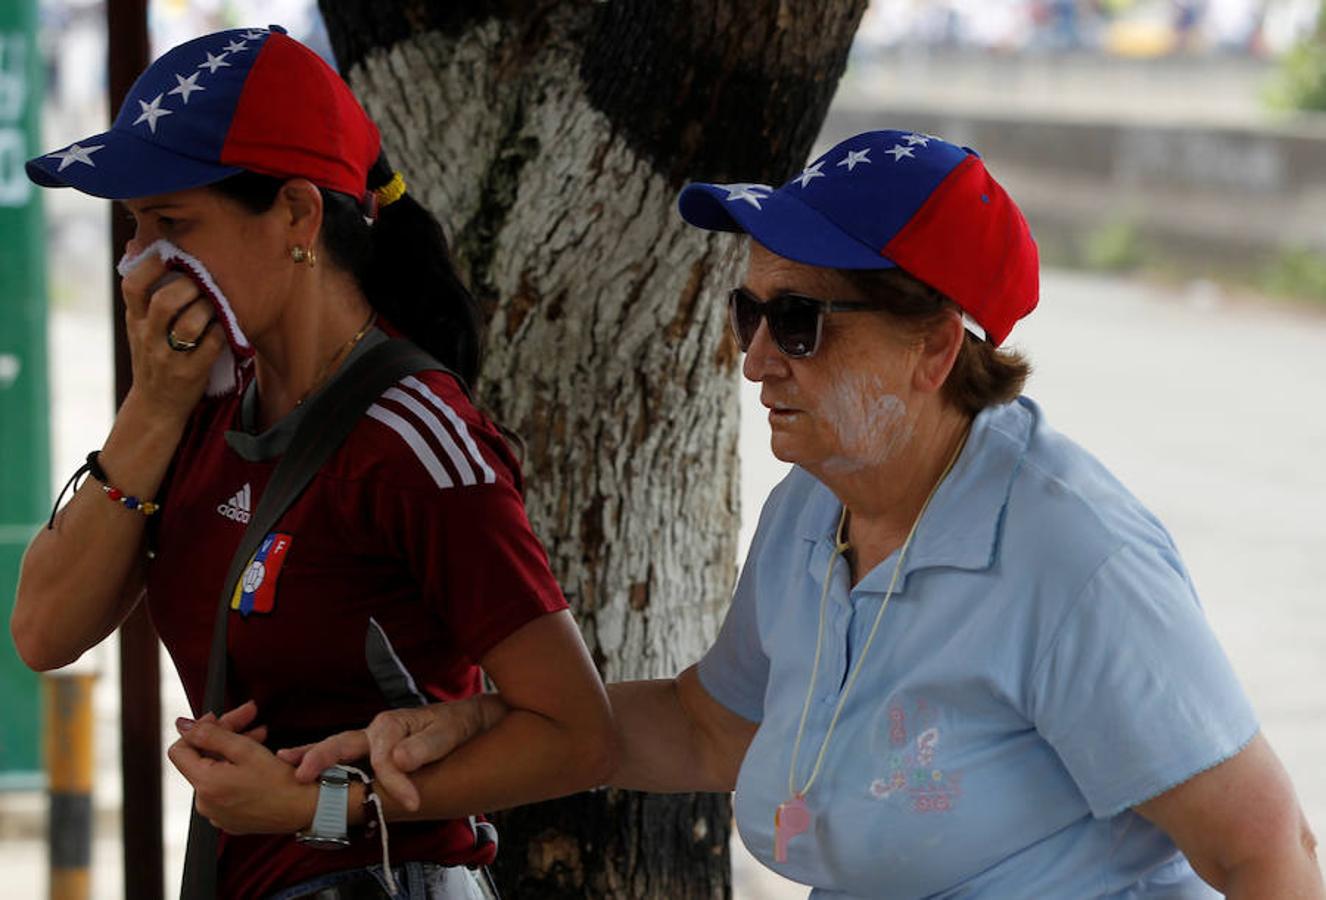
(1286,866)
(36,646)
(37,654)
(598,747)
(602,753)
(25,629)
(21,632)
(609,757)
(1308,841)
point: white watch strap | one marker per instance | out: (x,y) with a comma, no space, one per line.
(329,819)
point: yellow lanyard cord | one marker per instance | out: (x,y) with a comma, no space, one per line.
(838,549)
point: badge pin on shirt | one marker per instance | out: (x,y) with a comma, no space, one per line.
(256,591)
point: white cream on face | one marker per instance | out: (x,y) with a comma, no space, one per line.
(870,425)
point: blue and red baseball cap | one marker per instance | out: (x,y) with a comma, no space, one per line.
(887,199)
(240,100)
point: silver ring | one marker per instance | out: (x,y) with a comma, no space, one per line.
(181,346)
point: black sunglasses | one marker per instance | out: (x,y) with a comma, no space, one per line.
(796,321)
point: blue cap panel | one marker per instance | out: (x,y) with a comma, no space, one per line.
(871,185)
(170,131)
(839,211)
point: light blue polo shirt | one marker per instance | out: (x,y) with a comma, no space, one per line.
(1044,665)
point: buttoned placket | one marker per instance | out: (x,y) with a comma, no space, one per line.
(849,613)
(839,617)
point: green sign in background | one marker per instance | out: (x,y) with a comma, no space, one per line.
(25,442)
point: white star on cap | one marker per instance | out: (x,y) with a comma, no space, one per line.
(235,47)
(913,139)
(808,173)
(187,86)
(853,157)
(747,192)
(899,151)
(74,153)
(151,112)
(253,35)
(214,62)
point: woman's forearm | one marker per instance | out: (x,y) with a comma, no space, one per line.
(79,579)
(524,758)
(549,733)
(673,736)
(661,748)
(670,736)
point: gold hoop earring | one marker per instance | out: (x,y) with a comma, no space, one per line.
(300,255)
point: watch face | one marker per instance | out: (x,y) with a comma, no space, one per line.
(334,775)
(322,842)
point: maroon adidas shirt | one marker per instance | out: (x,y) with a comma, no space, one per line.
(415,522)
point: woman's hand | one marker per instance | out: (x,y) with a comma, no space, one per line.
(239,785)
(239,720)
(400,741)
(549,734)
(81,578)
(168,381)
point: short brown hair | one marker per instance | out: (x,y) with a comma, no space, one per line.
(982,375)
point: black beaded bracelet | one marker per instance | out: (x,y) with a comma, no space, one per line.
(92,467)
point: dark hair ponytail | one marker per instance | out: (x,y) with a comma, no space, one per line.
(401,262)
(406,272)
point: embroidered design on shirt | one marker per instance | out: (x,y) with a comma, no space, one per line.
(256,591)
(916,776)
(238,507)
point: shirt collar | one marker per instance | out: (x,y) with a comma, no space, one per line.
(962,527)
(255,446)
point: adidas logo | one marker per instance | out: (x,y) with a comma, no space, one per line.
(237,507)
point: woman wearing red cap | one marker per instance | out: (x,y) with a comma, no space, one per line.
(961,658)
(405,565)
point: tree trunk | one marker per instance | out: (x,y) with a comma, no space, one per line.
(551,139)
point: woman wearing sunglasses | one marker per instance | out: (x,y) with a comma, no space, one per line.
(961,658)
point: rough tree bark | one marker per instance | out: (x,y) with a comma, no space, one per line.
(552,138)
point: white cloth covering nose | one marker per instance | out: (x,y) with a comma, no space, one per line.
(226,374)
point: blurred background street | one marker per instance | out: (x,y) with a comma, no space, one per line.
(1178,192)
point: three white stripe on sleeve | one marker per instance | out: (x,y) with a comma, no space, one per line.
(460,449)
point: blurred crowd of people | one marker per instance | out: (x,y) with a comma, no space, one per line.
(1135,28)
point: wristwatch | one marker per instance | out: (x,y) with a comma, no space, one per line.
(329,830)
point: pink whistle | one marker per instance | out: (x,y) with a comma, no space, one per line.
(790,819)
